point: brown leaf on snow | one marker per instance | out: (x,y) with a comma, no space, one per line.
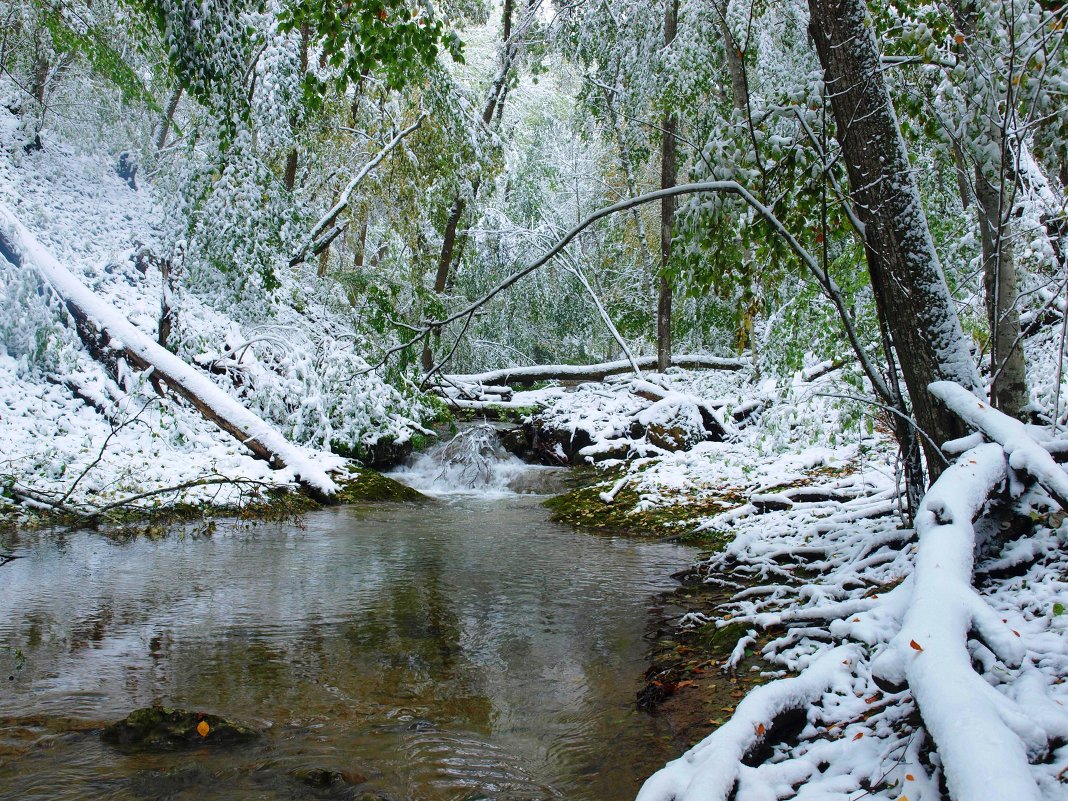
(915,645)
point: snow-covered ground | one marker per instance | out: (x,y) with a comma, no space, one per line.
(863,624)
(66,425)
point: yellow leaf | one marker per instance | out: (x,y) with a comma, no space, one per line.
(203,728)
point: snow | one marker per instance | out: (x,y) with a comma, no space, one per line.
(299,372)
(709,770)
(310,469)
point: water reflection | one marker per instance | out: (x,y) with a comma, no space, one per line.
(468,649)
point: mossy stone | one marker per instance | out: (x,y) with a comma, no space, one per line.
(158,728)
(363,485)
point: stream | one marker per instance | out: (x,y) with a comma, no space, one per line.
(462,649)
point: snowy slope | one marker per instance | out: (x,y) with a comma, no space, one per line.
(58,407)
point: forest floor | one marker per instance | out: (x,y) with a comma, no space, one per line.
(77,437)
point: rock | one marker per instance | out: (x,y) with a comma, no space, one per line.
(555,446)
(363,485)
(673,437)
(519,442)
(160,728)
(326,777)
(679,422)
(387,453)
(126,168)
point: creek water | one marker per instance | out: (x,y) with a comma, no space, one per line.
(462,649)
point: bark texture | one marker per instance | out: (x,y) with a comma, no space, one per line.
(668,176)
(1008,379)
(906,276)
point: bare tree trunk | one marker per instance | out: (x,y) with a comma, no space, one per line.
(290,177)
(1008,380)
(449,258)
(907,280)
(164,127)
(740,100)
(994,191)
(361,246)
(668,174)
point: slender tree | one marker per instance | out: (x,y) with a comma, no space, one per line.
(668,174)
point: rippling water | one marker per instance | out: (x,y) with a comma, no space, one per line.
(459,650)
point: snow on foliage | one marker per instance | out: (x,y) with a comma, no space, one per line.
(294,358)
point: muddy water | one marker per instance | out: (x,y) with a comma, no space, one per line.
(466,649)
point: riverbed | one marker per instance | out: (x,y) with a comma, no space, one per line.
(461,649)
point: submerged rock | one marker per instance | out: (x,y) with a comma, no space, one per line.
(326,777)
(158,728)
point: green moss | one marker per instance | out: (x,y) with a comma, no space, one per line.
(365,485)
(159,728)
(504,414)
(584,508)
(362,485)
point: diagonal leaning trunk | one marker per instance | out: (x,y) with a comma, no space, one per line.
(109,337)
(910,289)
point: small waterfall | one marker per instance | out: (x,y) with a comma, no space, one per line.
(475,462)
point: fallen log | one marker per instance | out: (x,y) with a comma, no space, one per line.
(1025,453)
(709,771)
(984,739)
(526,376)
(110,337)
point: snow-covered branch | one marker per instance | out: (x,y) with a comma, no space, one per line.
(709,770)
(983,739)
(1024,453)
(111,332)
(591,372)
(322,232)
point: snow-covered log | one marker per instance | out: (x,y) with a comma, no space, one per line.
(105,331)
(983,738)
(590,372)
(709,770)
(1025,454)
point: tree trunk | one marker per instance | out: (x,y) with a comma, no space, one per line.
(290,177)
(448,260)
(1008,380)
(668,174)
(167,120)
(910,290)
(109,337)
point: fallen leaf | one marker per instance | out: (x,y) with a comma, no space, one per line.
(203,728)
(915,645)
(909,777)
(871,699)
(760,730)
(858,735)
(1014,631)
